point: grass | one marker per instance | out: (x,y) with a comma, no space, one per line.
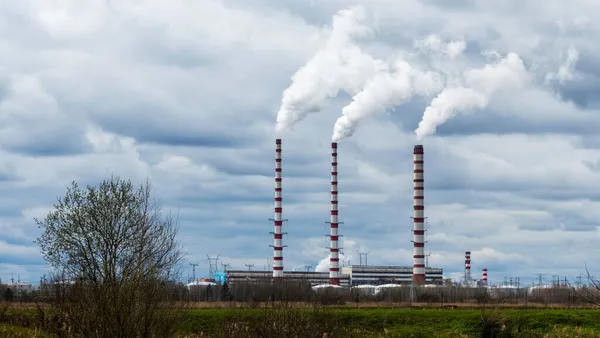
(11,331)
(404,322)
(369,322)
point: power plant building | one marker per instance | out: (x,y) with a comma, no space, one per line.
(379,275)
(349,276)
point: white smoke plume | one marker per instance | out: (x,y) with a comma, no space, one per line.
(481,84)
(350,246)
(323,265)
(386,89)
(340,65)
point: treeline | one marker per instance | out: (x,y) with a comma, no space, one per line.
(300,291)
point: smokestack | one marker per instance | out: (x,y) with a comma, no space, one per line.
(334,250)
(418,218)
(484,276)
(277,217)
(468,267)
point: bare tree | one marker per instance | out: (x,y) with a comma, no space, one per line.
(587,292)
(117,256)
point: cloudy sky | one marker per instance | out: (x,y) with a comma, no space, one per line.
(187,92)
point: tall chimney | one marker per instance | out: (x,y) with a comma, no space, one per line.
(418,218)
(334,250)
(484,276)
(468,267)
(277,217)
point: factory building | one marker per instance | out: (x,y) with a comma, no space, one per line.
(349,276)
(312,277)
(379,275)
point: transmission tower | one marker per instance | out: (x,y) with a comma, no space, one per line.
(540,277)
(213,264)
(307,267)
(360,257)
(194,265)
(249,266)
(427,260)
(225,266)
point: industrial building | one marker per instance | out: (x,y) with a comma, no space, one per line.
(417,274)
(312,277)
(349,276)
(379,275)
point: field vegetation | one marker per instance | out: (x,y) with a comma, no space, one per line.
(319,321)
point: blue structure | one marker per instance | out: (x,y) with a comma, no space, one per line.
(220,277)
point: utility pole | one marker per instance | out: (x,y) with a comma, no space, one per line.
(194,265)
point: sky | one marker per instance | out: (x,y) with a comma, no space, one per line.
(192,95)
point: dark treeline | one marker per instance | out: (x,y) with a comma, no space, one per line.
(299,291)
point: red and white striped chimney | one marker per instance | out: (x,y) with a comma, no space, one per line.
(418,218)
(334,250)
(484,276)
(467,266)
(277,217)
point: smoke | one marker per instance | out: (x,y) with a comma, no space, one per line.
(340,65)
(350,246)
(386,89)
(481,84)
(323,265)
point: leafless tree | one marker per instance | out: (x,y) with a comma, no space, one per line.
(589,293)
(116,254)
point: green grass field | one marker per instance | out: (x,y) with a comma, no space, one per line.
(397,322)
(361,322)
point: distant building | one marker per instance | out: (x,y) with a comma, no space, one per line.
(379,275)
(314,278)
(21,287)
(350,276)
